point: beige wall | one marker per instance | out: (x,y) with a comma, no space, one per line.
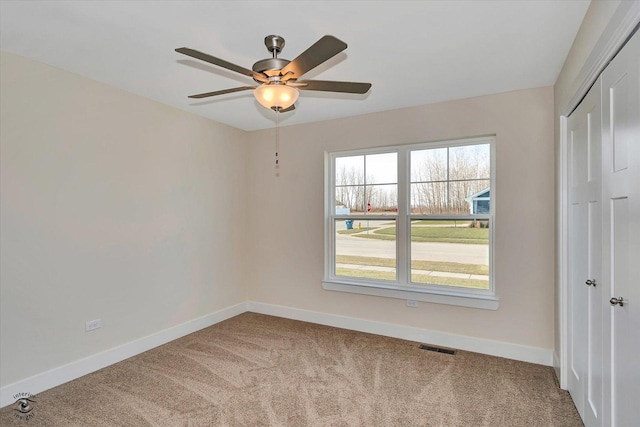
(113,207)
(286,214)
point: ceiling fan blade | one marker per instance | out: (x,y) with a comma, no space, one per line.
(332,86)
(222,92)
(221,63)
(325,48)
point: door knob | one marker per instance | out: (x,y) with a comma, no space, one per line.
(618,301)
(591,282)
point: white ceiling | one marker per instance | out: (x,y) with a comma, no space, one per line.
(413,53)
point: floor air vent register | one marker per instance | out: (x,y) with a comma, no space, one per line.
(437,349)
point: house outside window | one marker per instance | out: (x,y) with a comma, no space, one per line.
(413,221)
(480,203)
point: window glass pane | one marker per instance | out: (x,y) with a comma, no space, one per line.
(366,249)
(382,199)
(470,162)
(450,252)
(429,165)
(469,197)
(429,198)
(350,170)
(382,168)
(350,200)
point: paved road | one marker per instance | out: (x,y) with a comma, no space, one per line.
(427,251)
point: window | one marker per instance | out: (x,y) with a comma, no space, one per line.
(412,222)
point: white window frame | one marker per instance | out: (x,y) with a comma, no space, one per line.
(402,287)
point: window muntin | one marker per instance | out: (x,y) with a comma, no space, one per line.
(440,241)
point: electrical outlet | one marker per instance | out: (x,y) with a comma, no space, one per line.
(412,303)
(93,325)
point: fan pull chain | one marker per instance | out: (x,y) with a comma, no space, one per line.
(277,165)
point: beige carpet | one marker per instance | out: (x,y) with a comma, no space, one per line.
(256,370)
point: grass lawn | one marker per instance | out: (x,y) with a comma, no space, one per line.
(435,234)
(464,223)
(450,267)
(376,236)
(418,278)
(355,230)
(352,272)
(451,281)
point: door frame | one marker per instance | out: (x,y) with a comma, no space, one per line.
(619,29)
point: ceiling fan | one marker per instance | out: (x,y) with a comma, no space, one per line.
(278,78)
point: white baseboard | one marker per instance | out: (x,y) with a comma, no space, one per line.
(73,370)
(537,355)
(556,367)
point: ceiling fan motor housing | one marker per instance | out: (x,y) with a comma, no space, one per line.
(274,44)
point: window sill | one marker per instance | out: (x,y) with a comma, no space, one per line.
(486,302)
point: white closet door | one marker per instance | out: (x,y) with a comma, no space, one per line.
(621,234)
(585,354)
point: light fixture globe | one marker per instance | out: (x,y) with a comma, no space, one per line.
(276,96)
